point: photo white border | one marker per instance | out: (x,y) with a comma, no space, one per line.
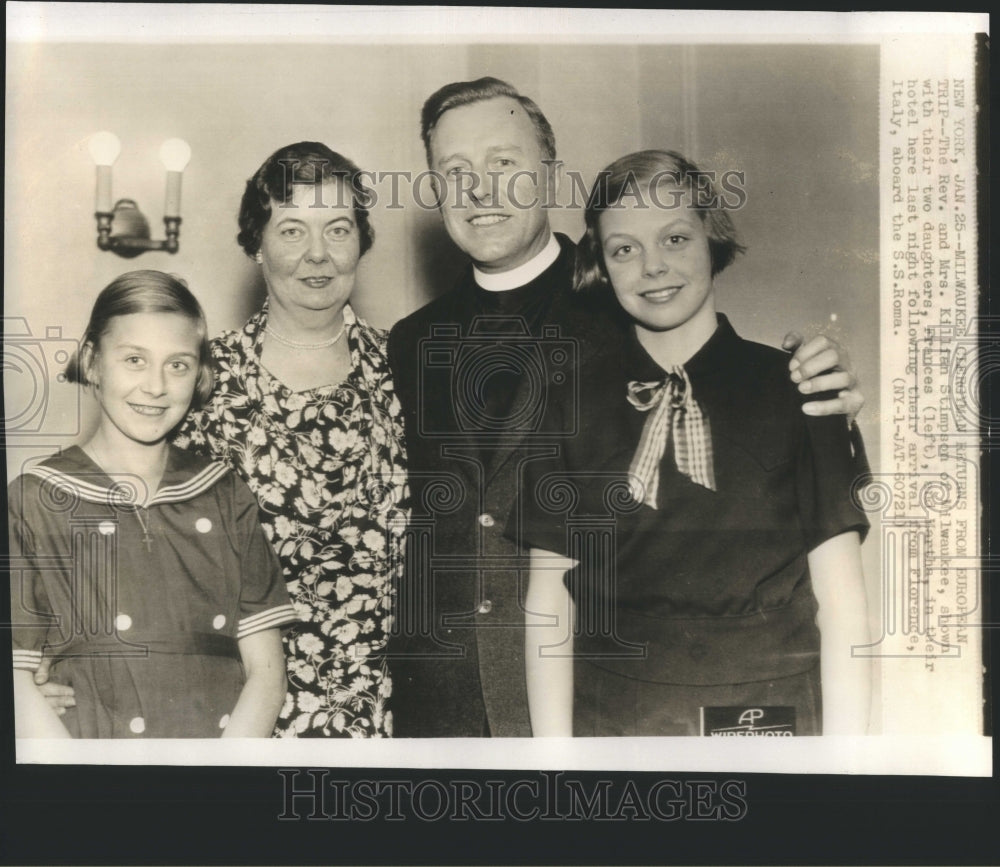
(163,23)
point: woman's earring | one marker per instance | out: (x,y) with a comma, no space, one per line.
(259,257)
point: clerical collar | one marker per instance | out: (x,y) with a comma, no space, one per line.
(522,274)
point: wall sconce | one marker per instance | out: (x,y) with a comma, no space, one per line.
(123,229)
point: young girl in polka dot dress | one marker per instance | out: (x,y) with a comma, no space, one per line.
(139,568)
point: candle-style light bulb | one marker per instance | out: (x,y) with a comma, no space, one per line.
(104,147)
(175,154)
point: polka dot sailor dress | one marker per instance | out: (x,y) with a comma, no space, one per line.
(141,608)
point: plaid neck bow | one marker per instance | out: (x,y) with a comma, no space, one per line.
(674,415)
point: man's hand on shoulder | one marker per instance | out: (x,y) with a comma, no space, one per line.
(823,365)
(57,695)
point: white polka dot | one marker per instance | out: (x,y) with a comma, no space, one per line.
(203,525)
(220,621)
(138,725)
(106,527)
(123,622)
(224,721)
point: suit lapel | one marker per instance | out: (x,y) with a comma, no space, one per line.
(512,440)
(455,446)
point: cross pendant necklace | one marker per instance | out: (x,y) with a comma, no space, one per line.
(147,539)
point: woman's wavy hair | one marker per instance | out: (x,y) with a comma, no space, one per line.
(142,292)
(630,175)
(305,162)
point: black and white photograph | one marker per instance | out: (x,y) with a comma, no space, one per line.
(399,393)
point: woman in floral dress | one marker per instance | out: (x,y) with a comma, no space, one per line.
(304,410)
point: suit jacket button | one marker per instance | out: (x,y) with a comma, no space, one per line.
(485,607)
(486,520)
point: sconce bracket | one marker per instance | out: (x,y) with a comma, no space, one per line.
(125,231)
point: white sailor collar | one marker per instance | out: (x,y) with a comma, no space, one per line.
(186,476)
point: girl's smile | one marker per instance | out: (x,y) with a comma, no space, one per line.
(661,296)
(660,265)
(145,371)
(144,409)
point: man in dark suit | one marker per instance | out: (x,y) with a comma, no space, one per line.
(473,370)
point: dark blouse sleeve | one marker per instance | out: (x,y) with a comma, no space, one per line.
(831,465)
(30,611)
(264,602)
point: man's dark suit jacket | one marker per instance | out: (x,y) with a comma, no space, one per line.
(457,659)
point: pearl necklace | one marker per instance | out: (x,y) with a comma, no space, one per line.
(294,344)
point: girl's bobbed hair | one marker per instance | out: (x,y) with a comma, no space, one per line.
(627,177)
(143,292)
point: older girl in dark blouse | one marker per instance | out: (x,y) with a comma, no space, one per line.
(698,529)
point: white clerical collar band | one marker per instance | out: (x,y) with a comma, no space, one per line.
(120,495)
(522,275)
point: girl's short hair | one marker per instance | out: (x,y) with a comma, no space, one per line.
(305,162)
(628,175)
(143,292)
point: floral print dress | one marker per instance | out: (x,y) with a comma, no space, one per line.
(327,466)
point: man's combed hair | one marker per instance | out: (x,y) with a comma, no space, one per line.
(629,177)
(460,93)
